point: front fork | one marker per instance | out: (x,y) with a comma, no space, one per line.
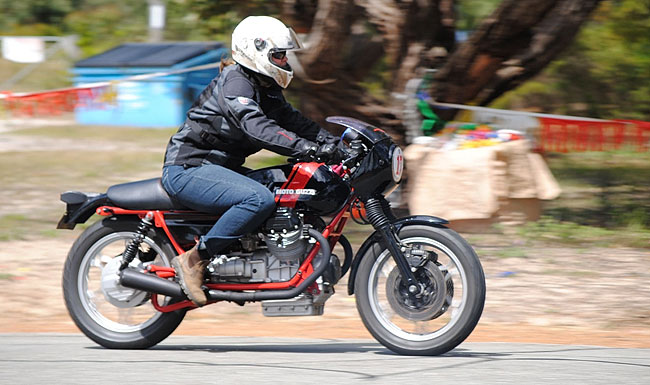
(380,216)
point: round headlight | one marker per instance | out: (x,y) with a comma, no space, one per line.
(398,164)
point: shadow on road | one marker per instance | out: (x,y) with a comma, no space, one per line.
(555,353)
(321,347)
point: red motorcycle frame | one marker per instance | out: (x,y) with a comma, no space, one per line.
(300,175)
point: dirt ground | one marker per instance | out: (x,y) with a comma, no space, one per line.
(554,295)
(576,295)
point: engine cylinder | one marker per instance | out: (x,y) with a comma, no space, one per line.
(283,234)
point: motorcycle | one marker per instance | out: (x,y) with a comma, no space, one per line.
(419,286)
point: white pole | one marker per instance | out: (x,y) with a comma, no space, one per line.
(156,20)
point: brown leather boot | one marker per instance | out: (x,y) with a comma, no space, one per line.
(190,268)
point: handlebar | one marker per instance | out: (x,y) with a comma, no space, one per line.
(351,156)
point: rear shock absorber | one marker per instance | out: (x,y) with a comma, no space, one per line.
(133,246)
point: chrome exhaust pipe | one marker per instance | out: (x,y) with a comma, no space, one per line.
(148,282)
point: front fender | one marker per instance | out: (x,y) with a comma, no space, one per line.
(398,224)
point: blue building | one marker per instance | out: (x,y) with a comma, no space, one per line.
(155,102)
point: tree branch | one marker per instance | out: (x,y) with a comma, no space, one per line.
(511,45)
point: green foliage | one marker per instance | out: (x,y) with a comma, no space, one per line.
(102,24)
(212,20)
(106,24)
(32,12)
(604,74)
(377,81)
(471,12)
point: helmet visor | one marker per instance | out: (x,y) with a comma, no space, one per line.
(295,39)
(289,42)
(278,53)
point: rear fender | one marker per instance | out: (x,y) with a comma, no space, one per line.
(79,207)
(426,220)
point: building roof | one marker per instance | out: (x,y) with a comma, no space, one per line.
(149,54)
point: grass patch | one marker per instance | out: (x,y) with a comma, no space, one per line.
(40,170)
(51,74)
(19,227)
(34,180)
(13,226)
(510,252)
(264,159)
(603,189)
(145,136)
(551,230)
(604,201)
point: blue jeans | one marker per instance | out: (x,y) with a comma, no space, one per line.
(242,202)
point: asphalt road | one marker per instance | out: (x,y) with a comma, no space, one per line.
(73,359)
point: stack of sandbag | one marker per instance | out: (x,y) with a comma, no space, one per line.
(477,187)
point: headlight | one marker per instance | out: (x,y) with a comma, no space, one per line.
(397,164)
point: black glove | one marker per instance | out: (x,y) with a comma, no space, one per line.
(330,153)
(307,148)
(325,137)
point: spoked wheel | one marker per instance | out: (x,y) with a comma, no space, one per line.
(449,299)
(110,314)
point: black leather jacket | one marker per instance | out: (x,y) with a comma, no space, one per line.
(238,114)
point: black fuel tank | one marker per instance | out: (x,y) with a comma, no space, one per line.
(309,186)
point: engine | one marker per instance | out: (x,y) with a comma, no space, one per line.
(273,255)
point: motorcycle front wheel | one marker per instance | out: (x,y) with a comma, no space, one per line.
(112,315)
(450,298)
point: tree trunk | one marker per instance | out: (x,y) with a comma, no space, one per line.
(515,43)
(342,54)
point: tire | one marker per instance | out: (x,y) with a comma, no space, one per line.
(438,320)
(111,315)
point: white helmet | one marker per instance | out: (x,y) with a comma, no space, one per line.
(256,38)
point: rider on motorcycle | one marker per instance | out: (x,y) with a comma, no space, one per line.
(239,113)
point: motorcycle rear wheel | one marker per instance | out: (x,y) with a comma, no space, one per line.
(111,315)
(438,320)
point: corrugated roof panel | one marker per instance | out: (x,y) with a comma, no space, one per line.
(148,54)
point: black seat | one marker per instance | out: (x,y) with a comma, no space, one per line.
(142,195)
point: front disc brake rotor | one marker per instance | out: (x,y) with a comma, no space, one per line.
(430,303)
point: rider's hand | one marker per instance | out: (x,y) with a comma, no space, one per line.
(325,139)
(330,153)
(309,149)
